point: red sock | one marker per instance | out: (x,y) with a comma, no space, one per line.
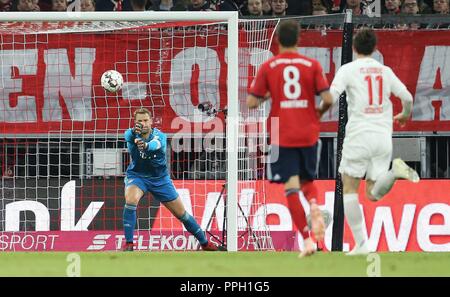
(309,189)
(297,212)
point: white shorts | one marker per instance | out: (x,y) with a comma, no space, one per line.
(367,154)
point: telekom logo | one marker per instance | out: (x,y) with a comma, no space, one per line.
(98,242)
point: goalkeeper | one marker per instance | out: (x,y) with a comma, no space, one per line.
(148,172)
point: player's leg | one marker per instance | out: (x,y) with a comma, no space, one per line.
(167,194)
(283,168)
(298,214)
(385,181)
(381,178)
(308,164)
(354,164)
(133,194)
(353,213)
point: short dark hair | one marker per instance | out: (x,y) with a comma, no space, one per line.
(288,33)
(142,110)
(365,41)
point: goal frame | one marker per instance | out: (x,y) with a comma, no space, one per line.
(232,120)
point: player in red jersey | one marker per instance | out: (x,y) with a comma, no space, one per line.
(292,81)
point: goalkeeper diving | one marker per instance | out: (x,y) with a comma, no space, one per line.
(148,173)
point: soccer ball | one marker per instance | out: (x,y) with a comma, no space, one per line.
(112,81)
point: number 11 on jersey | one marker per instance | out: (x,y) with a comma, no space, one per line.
(379,80)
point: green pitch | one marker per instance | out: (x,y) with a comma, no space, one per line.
(224,264)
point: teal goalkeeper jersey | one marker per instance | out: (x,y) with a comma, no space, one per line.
(147,163)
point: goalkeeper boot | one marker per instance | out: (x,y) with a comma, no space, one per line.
(401,170)
(211,247)
(128,247)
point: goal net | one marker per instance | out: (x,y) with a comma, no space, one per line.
(63,153)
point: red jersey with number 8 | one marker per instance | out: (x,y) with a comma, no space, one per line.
(293,80)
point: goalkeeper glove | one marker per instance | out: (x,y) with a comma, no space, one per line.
(137,129)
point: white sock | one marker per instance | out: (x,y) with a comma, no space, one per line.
(353,214)
(383,184)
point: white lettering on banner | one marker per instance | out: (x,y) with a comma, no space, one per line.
(98,242)
(42,216)
(76,89)
(12,215)
(383,217)
(273,209)
(425,230)
(245,202)
(186,199)
(162,242)
(435,58)
(27,242)
(180,78)
(211,201)
(68,210)
(250,59)
(16,63)
(329,205)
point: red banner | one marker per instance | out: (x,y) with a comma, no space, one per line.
(50,82)
(412,217)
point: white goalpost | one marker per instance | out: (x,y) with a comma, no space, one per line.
(63,134)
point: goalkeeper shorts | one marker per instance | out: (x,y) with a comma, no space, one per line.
(161,189)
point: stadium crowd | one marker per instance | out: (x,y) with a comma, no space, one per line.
(252,8)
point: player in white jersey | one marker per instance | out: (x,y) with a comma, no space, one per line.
(367,149)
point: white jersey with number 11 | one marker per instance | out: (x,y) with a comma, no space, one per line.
(369,85)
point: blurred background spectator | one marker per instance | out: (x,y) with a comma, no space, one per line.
(267,8)
(138,5)
(279,7)
(319,10)
(230,5)
(113,5)
(25,5)
(6,5)
(275,8)
(253,8)
(87,5)
(199,5)
(441,6)
(357,6)
(59,5)
(411,7)
(391,7)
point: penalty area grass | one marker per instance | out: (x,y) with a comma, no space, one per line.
(186,264)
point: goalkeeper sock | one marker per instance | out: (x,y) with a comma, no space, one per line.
(191,225)
(297,212)
(129,221)
(353,214)
(383,185)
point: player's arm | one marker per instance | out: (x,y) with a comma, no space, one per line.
(129,135)
(154,144)
(254,101)
(325,104)
(399,89)
(132,133)
(158,142)
(258,91)
(338,85)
